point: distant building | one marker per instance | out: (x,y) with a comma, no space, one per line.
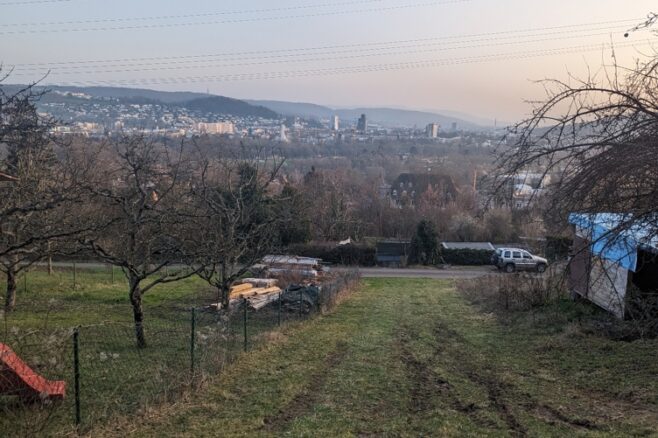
(526,188)
(408,188)
(335,123)
(454,127)
(217,128)
(362,124)
(283,138)
(432,130)
(476,246)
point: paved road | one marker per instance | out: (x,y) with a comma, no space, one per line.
(449,273)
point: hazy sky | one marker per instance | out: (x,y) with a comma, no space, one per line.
(474,56)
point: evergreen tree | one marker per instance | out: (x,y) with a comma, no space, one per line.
(425,244)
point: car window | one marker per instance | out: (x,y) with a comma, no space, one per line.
(516,255)
(507,254)
(527,256)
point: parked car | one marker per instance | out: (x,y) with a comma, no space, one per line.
(515,259)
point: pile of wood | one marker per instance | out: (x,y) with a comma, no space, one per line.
(257,291)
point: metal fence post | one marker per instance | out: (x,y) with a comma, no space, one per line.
(76,374)
(279,311)
(75,272)
(192,341)
(112,268)
(25,280)
(300,301)
(244,319)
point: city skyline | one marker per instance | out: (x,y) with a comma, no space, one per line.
(465,56)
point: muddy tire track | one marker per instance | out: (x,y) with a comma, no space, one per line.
(495,394)
(497,390)
(303,402)
(427,386)
(425,382)
(552,415)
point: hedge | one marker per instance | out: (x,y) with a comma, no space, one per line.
(468,257)
(349,255)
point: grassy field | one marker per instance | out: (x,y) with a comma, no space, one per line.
(414,357)
(116,377)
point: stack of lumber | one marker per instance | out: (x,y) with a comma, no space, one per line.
(260,282)
(258,292)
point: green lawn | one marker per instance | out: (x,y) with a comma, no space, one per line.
(116,377)
(412,357)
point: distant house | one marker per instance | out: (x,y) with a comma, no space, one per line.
(612,267)
(515,191)
(393,252)
(409,187)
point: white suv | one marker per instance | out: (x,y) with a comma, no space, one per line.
(515,259)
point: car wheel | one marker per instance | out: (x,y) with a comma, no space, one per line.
(541,268)
(509,268)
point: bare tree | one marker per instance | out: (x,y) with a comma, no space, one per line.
(235,215)
(597,138)
(137,201)
(40,184)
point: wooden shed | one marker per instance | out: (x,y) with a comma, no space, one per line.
(612,264)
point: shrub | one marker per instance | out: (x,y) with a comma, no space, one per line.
(468,257)
(425,244)
(517,291)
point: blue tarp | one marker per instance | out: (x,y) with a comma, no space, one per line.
(616,237)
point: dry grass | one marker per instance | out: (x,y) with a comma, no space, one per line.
(519,291)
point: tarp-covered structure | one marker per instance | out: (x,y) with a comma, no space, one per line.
(611,252)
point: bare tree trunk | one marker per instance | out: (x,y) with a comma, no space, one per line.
(50,261)
(138,311)
(225,289)
(10,298)
(224,292)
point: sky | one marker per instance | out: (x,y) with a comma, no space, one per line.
(481,57)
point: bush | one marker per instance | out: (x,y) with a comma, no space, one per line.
(349,255)
(467,257)
(517,291)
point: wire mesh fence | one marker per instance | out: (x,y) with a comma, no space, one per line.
(57,380)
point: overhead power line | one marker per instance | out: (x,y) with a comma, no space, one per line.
(285,58)
(300,51)
(362,68)
(185,16)
(32,2)
(231,21)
